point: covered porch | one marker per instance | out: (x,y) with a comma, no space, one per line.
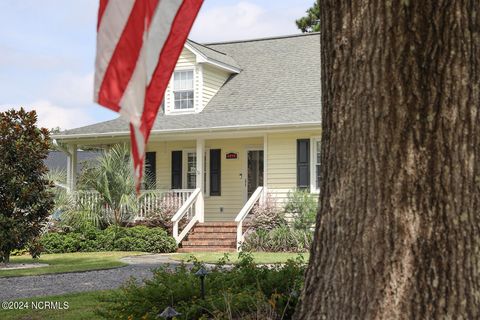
(209,179)
(217,177)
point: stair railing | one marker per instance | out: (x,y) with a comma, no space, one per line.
(186,210)
(244,213)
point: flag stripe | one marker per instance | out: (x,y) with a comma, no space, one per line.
(124,58)
(114,19)
(138,45)
(101,10)
(134,95)
(168,58)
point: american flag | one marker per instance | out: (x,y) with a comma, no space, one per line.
(138,45)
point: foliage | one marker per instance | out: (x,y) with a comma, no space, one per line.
(138,238)
(267,215)
(259,257)
(310,22)
(280,239)
(302,208)
(25,196)
(68,213)
(112,177)
(247,291)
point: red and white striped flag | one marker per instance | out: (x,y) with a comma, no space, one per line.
(138,45)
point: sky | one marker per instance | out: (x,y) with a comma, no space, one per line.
(47,50)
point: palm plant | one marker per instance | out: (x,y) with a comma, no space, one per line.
(112,177)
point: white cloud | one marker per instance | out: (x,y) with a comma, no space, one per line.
(71,90)
(52,116)
(243,20)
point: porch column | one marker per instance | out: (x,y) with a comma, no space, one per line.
(72,167)
(199,206)
(265,166)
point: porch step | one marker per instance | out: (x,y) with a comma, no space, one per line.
(203,229)
(210,243)
(211,236)
(206,249)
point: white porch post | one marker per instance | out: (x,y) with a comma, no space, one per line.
(72,167)
(265,167)
(199,205)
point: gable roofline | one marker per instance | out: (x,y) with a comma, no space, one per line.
(204,58)
(261,39)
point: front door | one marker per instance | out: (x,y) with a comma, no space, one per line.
(254,171)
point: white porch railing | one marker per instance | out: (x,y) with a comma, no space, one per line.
(244,213)
(190,211)
(150,201)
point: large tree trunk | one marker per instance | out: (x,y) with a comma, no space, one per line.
(398,228)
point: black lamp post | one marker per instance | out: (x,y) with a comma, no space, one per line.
(201,274)
(168,313)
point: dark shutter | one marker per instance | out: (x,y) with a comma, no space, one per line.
(215,171)
(303,163)
(150,170)
(176,169)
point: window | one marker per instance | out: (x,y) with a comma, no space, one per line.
(183,89)
(191,170)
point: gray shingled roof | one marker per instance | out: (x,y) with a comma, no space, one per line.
(214,54)
(279,84)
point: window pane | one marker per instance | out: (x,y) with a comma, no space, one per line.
(191,170)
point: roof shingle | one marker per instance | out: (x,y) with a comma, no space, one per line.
(279,84)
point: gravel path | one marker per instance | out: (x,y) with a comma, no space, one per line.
(62,283)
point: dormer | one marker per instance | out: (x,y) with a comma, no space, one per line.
(199,74)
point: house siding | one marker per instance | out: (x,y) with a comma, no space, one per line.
(282,163)
(281,176)
(233,190)
(213,80)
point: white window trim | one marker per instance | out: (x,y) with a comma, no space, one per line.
(172,92)
(207,169)
(313,164)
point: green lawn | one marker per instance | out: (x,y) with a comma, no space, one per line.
(69,262)
(259,257)
(80,306)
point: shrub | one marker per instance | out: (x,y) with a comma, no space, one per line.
(302,207)
(25,196)
(245,292)
(280,239)
(113,238)
(267,215)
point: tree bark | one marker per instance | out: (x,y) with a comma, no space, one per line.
(398,227)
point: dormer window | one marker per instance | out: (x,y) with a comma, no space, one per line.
(183,89)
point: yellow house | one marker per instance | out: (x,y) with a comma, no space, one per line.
(239,120)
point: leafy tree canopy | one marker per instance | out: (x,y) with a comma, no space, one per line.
(311,21)
(25,197)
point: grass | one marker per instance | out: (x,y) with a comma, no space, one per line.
(259,257)
(69,262)
(80,306)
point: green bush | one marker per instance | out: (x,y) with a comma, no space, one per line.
(113,238)
(302,207)
(280,239)
(245,292)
